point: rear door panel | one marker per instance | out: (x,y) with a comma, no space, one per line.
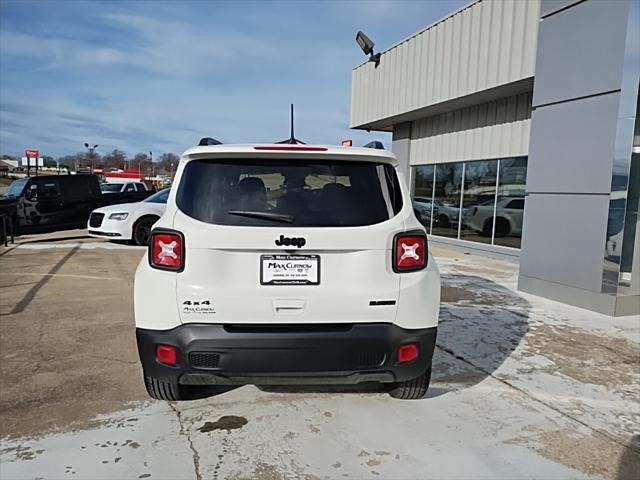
(221,279)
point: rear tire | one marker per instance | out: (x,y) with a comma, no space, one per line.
(162,390)
(173,392)
(487,228)
(503,228)
(413,389)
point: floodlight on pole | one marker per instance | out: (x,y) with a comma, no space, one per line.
(91,150)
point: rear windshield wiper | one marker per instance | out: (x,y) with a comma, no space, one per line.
(276,217)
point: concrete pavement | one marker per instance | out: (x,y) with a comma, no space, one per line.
(522,388)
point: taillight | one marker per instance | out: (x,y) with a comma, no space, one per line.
(407,353)
(409,252)
(166,250)
(166,354)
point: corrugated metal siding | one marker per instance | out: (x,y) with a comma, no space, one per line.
(495,129)
(487,44)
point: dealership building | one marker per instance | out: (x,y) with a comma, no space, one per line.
(515,122)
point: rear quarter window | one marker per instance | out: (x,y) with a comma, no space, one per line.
(78,187)
(47,189)
(297,192)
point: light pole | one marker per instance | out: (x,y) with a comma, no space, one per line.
(91,150)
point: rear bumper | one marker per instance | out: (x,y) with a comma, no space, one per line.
(286,354)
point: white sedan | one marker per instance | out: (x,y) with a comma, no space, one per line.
(128,221)
(508,211)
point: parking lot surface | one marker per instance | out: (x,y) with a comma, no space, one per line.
(522,387)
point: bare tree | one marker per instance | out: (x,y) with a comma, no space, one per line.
(115,159)
(71,161)
(142,161)
(168,162)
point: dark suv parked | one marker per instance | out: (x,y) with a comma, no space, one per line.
(57,202)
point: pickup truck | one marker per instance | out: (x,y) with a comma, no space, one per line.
(58,202)
(123,187)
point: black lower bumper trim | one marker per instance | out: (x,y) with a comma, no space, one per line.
(318,379)
(105,234)
(288,354)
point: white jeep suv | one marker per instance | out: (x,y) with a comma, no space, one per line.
(286,264)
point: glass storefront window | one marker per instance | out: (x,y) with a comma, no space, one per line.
(446,205)
(512,179)
(628,280)
(423,194)
(478,200)
(489,185)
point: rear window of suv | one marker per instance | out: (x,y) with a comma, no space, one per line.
(299,193)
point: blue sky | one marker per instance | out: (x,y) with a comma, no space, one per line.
(158,75)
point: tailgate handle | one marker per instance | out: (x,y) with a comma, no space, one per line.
(289,306)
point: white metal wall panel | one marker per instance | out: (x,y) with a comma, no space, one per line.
(495,129)
(484,45)
(471,84)
(462,71)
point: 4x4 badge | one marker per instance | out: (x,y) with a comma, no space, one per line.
(197,306)
(295,241)
(203,302)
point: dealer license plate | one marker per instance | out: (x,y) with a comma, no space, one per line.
(290,269)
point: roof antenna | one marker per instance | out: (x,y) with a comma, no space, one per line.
(292,139)
(292,135)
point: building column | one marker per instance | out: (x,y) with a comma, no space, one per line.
(585,101)
(401,146)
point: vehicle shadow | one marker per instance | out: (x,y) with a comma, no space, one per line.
(56,239)
(481,324)
(629,466)
(28,297)
(366,387)
(122,242)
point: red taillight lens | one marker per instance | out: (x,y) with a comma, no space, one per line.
(409,252)
(167,354)
(166,250)
(407,353)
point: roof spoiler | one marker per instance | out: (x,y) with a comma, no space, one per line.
(375,144)
(206,141)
